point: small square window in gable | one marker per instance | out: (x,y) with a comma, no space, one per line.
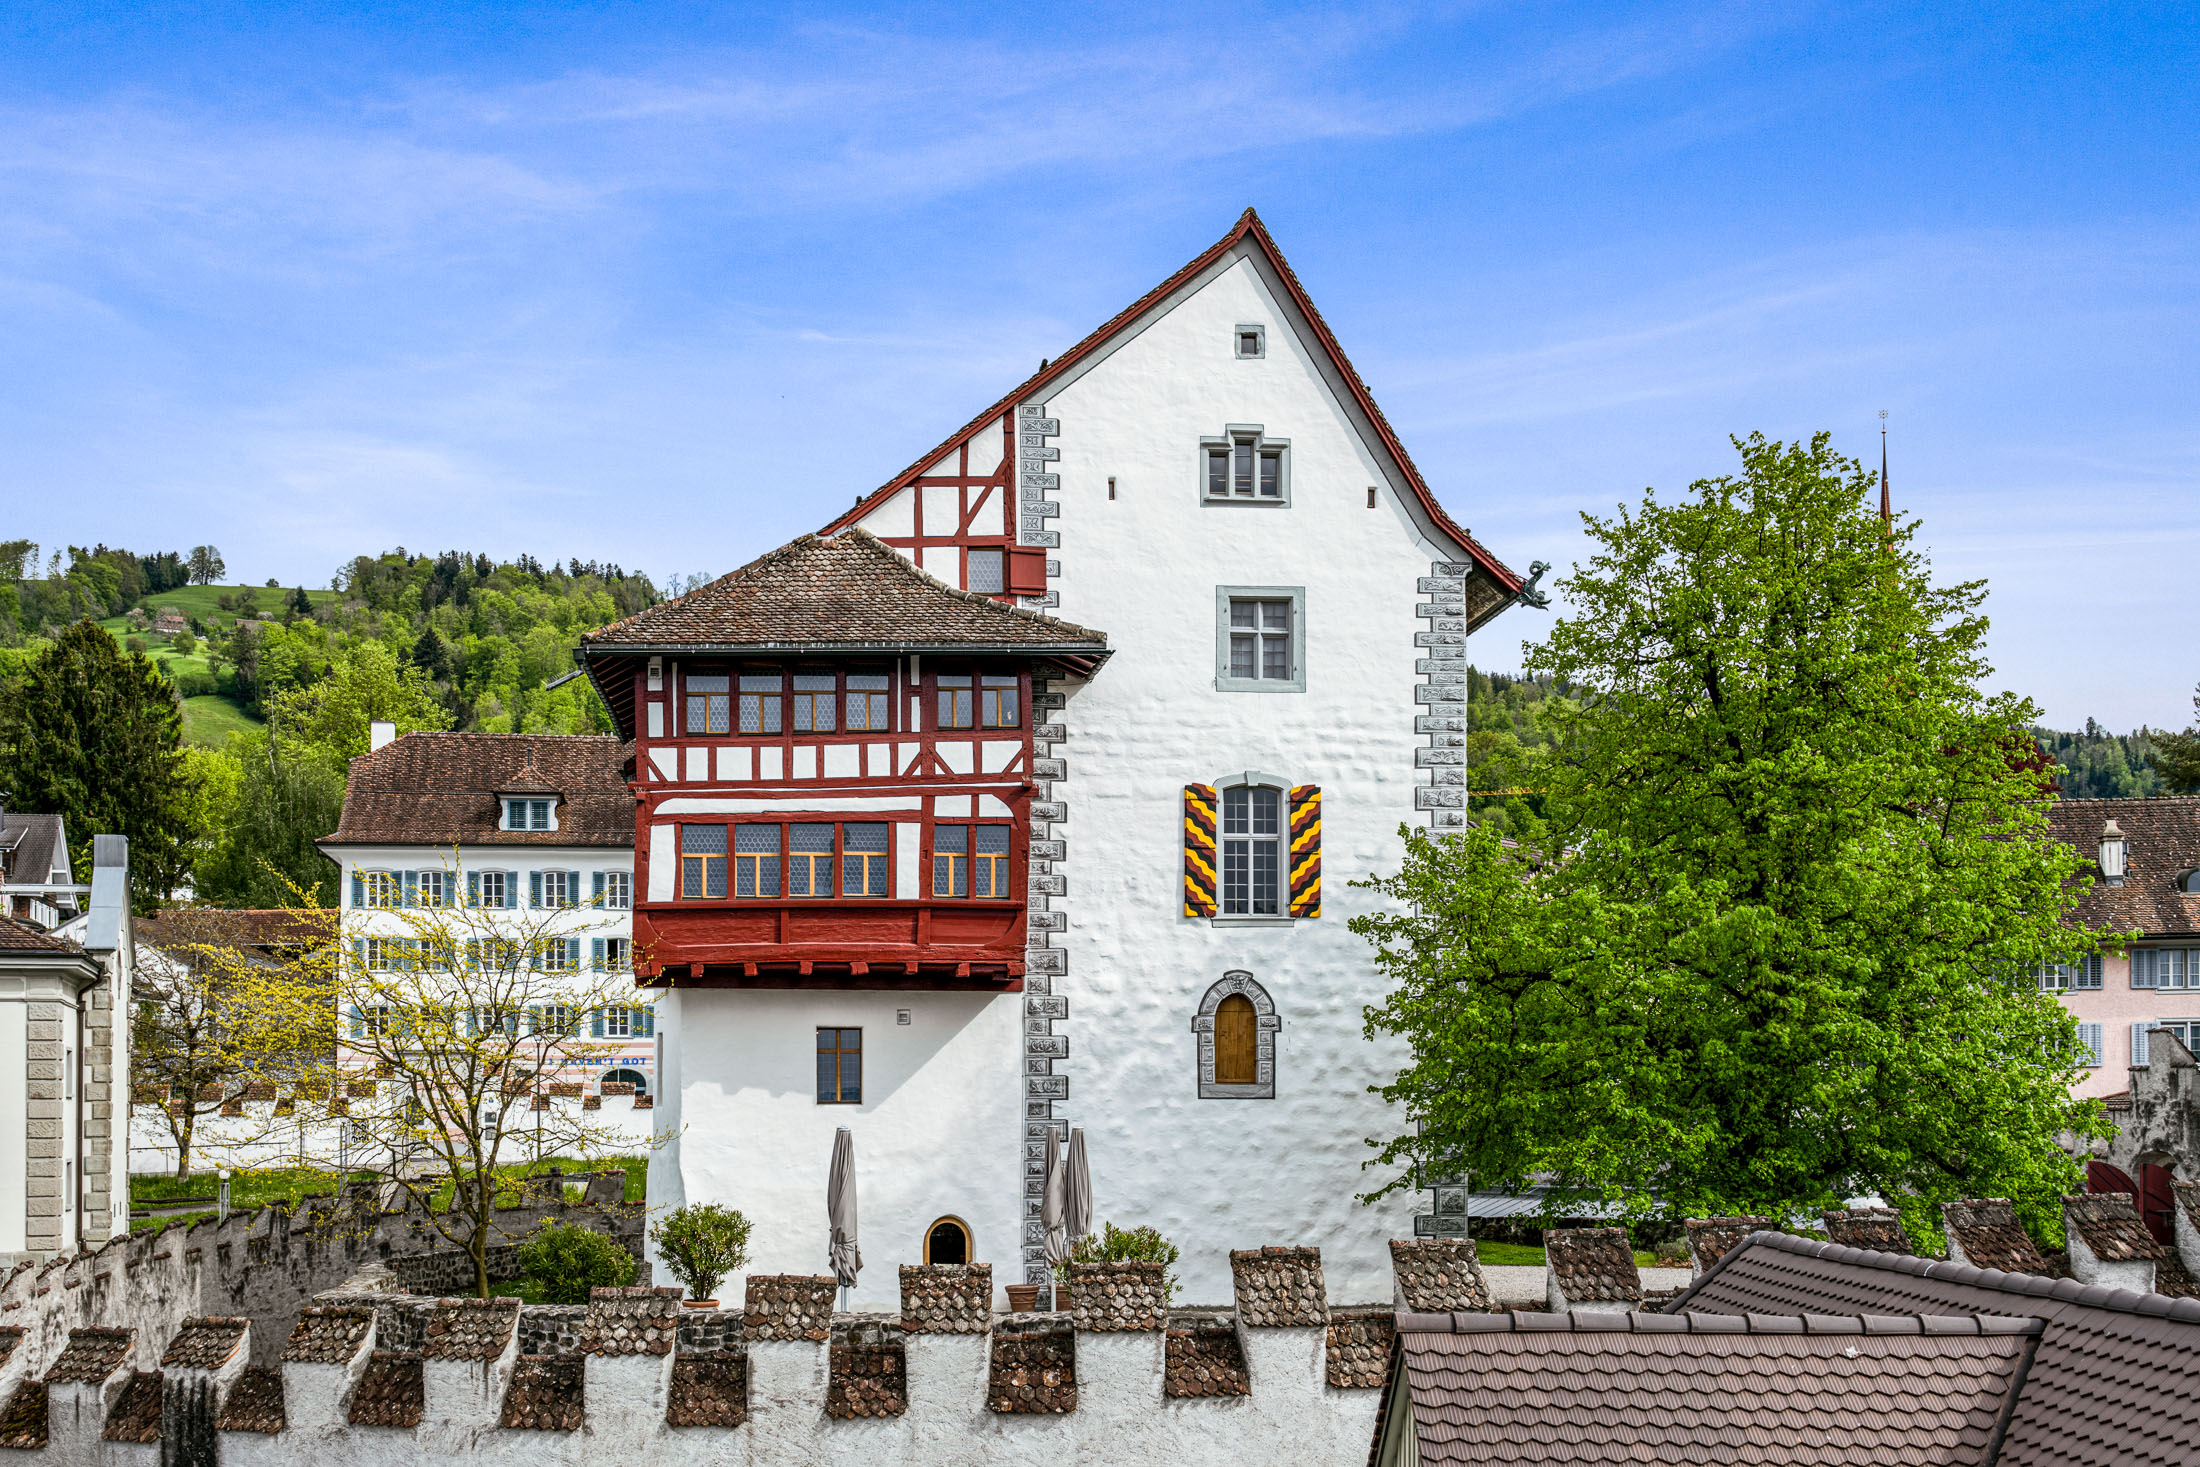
(1249,342)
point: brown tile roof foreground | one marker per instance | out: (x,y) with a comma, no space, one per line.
(2114,1379)
(849,590)
(2161,843)
(544,1395)
(439,789)
(1591,1264)
(206,1343)
(392,1392)
(1711,1238)
(1602,1387)
(261,927)
(135,1415)
(92,1354)
(708,1389)
(470,1329)
(1878,1228)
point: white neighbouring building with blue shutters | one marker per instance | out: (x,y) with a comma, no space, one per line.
(1234,616)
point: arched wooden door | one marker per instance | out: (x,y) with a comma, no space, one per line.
(1237,1042)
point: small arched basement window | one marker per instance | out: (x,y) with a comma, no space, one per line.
(1235,1033)
(947,1241)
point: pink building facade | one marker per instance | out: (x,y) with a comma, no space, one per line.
(2129,1001)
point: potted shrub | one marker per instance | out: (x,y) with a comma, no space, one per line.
(1125,1245)
(564,1262)
(701,1243)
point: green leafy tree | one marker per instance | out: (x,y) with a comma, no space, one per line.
(93,734)
(334,715)
(1769,945)
(279,802)
(205,564)
(2177,755)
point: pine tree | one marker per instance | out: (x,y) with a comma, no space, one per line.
(95,736)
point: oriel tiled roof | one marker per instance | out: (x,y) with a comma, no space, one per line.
(2161,844)
(440,789)
(1438,1274)
(23,1419)
(847,590)
(1628,1388)
(2114,1380)
(1593,1264)
(21,937)
(1203,1356)
(708,1389)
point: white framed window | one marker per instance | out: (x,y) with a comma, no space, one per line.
(1260,639)
(2165,967)
(615,889)
(530,815)
(1252,851)
(1242,465)
(378,889)
(558,954)
(552,1020)
(431,888)
(490,888)
(554,888)
(380,954)
(618,1022)
(2083,974)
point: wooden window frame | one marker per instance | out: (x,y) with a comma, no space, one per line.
(705,701)
(754,859)
(840,1088)
(811,860)
(703,860)
(969,1241)
(1002,864)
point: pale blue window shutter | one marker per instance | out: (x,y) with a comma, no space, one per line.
(572,888)
(534,888)
(572,955)
(645,1021)
(411,898)
(595,953)
(598,894)
(358,890)
(595,1023)
(2089,1035)
(2142,968)
(2139,1043)
(473,888)
(534,1018)
(358,1023)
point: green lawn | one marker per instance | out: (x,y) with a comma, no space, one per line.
(255,1187)
(1531,1256)
(211,719)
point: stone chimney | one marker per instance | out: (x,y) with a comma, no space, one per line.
(2109,1245)
(380,733)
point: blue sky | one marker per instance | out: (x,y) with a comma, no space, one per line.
(667,284)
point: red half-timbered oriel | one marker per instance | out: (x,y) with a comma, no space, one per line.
(833,771)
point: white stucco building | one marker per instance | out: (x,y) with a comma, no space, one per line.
(1229,618)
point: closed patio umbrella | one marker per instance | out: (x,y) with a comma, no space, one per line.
(840,1211)
(1054,1204)
(1077,1189)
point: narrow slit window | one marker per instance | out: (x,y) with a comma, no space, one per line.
(1241,470)
(1218,473)
(989,862)
(951,860)
(810,860)
(756,860)
(815,693)
(1271,474)
(708,698)
(840,1067)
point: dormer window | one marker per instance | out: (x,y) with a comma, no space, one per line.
(2112,853)
(530,814)
(1245,466)
(2189,883)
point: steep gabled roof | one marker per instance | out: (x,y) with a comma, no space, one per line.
(845,591)
(2115,1379)
(1249,231)
(2161,843)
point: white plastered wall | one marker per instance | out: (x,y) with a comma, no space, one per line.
(935,1136)
(1144,568)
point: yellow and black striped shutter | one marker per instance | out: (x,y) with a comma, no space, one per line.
(1199,850)
(1306,851)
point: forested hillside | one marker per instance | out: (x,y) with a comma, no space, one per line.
(2096,764)
(278,686)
